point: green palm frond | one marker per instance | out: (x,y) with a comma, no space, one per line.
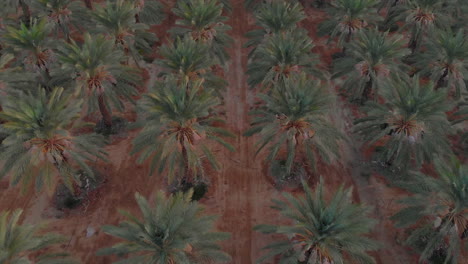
(444,60)
(30,45)
(189,60)
(202,21)
(150,12)
(173,230)
(373,59)
(348,17)
(411,125)
(177,125)
(65,15)
(39,146)
(438,211)
(295,118)
(19,241)
(117,19)
(281,56)
(323,231)
(95,67)
(273,18)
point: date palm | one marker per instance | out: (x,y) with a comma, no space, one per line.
(64,15)
(117,19)
(178,122)
(189,60)
(444,60)
(40,148)
(19,241)
(322,231)
(202,20)
(294,118)
(411,124)
(348,17)
(275,17)
(31,47)
(173,230)
(281,56)
(437,211)
(95,66)
(373,58)
(421,18)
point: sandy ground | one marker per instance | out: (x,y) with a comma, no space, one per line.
(240,193)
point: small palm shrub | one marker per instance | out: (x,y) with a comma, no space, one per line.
(19,241)
(322,231)
(173,230)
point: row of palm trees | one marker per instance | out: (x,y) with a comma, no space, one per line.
(101,70)
(408,82)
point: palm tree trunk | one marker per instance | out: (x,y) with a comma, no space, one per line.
(89,4)
(441,80)
(188,177)
(105,112)
(366,93)
(26,12)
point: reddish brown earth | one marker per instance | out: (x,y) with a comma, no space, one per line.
(240,193)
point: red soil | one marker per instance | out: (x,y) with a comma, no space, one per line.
(240,193)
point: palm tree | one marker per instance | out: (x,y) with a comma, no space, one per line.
(202,20)
(373,59)
(421,17)
(31,46)
(347,17)
(39,145)
(96,68)
(64,15)
(281,56)
(444,60)
(437,211)
(189,60)
(18,241)
(174,230)
(117,19)
(294,117)
(322,231)
(12,6)
(178,122)
(275,17)
(411,124)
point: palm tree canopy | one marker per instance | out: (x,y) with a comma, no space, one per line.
(373,57)
(96,68)
(39,145)
(173,230)
(439,207)
(275,17)
(177,117)
(411,123)
(348,17)
(445,59)
(323,231)
(295,116)
(64,15)
(18,241)
(281,56)
(117,19)
(202,20)
(189,60)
